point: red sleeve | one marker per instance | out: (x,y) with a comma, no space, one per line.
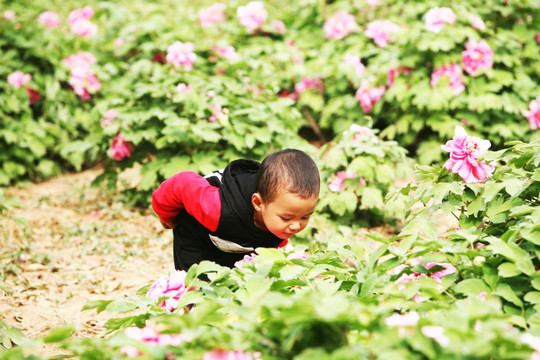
(188,190)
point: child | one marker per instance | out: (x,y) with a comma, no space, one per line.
(227,214)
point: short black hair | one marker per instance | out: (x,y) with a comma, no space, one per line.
(288,170)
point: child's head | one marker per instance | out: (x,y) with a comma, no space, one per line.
(287,192)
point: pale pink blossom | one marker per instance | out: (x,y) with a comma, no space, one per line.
(408,319)
(252,16)
(150,335)
(531,340)
(380,31)
(119,42)
(84,28)
(477,23)
(482,296)
(297,255)
(171,288)
(436,17)
(182,88)
(309,83)
(85,13)
(9,15)
(120,148)
(81,58)
(533,114)
(181,54)
(478,55)
(336,185)
(361,133)
(18,79)
(339,25)
(373,3)
(227,52)
(279,26)
(436,333)
(355,62)
(438,275)
(213,14)
(368,95)
(84,82)
(247,259)
(392,73)
(464,152)
(230,355)
(451,72)
(108,117)
(50,19)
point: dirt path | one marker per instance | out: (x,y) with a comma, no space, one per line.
(78,244)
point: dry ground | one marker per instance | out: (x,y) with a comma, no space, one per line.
(77,245)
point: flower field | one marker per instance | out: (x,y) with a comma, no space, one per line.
(414,112)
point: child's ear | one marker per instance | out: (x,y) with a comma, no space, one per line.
(257,201)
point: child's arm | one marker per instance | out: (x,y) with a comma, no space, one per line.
(190,191)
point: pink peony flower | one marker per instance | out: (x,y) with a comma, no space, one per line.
(339,25)
(361,132)
(84,28)
(537,38)
(34,95)
(252,15)
(212,15)
(436,333)
(533,114)
(84,82)
(436,18)
(172,288)
(109,117)
(183,88)
(478,55)
(247,259)
(85,13)
(392,73)
(368,96)
(279,27)
(336,185)
(453,73)
(230,355)
(297,255)
(148,334)
(120,148)
(477,23)
(181,54)
(355,62)
(380,30)
(464,151)
(438,275)
(9,15)
(409,319)
(18,79)
(79,59)
(309,83)
(49,19)
(287,93)
(227,52)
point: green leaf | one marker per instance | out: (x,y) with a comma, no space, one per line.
(506,292)
(532,297)
(472,287)
(508,269)
(99,305)
(371,197)
(60,334)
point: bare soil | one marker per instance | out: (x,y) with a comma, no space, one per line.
(77,244)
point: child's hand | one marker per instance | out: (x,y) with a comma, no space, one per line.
(167,225)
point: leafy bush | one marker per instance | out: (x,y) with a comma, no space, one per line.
(497,242)
(358,170)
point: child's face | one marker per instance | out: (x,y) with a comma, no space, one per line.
(285,216)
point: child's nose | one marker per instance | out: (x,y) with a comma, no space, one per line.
(295,226)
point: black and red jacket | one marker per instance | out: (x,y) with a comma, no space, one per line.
(213,215)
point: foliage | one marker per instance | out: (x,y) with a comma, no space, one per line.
(498,236)
(358,170)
